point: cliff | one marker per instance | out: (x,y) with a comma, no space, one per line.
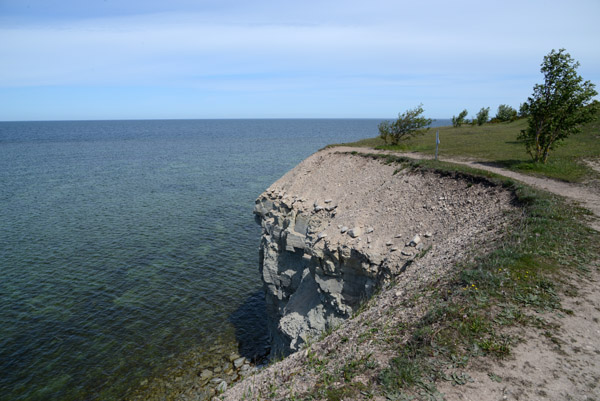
(338,226)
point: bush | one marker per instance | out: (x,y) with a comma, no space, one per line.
(483,115)
(460,120)
(409,124)
(506,113)
(524,109)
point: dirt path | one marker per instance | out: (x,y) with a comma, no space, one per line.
(587,196)
(547,366)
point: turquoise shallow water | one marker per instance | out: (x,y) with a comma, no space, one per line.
(125,243)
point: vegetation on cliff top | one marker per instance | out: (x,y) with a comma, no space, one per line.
(497,143)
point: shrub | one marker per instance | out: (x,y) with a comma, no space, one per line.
(409,124)
(483,115)
(506,113)
(460,120)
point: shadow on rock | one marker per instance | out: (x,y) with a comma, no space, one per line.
(251,329)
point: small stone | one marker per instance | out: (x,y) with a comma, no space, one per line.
(328,200)
(222,387)
(398,236)
(428,234)
(343,229)
(233,356)
(394,249)
(316,203)
(415,241)
(216,380)
(419,246)
(322,234)
(369,230)
(368,239)
(406,253)
(399,293)
(318,208)
(329,208)
(206,374)
(239,362)
(389,243)
(354,232)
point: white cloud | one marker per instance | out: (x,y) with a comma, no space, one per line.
(376,47)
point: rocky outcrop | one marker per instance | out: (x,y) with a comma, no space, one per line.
(338,225)
(311,284)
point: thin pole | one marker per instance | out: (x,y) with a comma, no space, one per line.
(437,143)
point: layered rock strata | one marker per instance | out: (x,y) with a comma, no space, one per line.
(337,226)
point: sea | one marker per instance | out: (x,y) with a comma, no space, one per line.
(126,245)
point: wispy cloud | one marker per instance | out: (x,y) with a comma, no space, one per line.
(292,46)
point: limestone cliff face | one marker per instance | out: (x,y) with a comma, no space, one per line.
(310,285)
(338,225)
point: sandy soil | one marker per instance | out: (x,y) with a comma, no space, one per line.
(587,194)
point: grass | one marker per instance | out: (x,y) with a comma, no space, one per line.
(498,143)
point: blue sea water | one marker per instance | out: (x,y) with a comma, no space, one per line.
(125,243)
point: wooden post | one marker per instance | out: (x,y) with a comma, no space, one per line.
(437,143)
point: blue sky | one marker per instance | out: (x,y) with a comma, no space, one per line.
(120,59)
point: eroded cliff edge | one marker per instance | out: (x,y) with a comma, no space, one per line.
(338,225)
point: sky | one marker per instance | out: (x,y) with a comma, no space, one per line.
(158,59)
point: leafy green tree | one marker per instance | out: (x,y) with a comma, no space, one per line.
(523,109)
(558,107)
(505,113)
(409,124)
(460,120)
(483,116)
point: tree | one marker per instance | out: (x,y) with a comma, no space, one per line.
(558,107)
(523,109)
(409,124)
(460,120)
(483,116)
(505,113)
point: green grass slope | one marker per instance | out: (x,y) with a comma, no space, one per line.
(498,143)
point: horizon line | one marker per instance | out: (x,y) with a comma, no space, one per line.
(209,118)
